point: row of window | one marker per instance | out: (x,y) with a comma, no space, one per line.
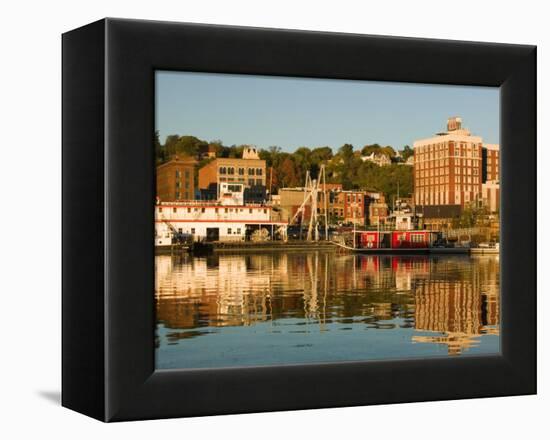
(446,172)
(414,238)
(240,171)
(230,231)
(432,164)
(236,231)
(444,146)
(353,198)
(354,212)
(417,238)
(445,162)
(251,182)
(358,213)
(419,157)
(445,189)
(337,212)
(175,210)
(446,179)
(436,199)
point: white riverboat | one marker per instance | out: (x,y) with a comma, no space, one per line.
(227,219)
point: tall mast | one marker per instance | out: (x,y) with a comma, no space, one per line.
(322,175)
(313,214)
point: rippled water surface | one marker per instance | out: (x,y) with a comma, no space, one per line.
(308,307)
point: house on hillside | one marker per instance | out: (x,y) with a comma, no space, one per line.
(377,158)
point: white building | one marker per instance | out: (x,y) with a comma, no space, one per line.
(377,158)
(227,219)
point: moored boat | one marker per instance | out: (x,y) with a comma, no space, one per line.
(486,249)
(396,242)
(228,219)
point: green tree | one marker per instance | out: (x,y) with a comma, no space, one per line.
(287,174)
(369,149)
(406,152)
(388,151)
(321,154)
(186,145)
(472,216)
(160,153)
(346,152)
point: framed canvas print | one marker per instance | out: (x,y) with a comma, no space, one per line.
(262,219)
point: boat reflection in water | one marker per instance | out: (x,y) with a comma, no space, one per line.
(306,307)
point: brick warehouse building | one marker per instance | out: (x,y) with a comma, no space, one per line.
(349,206)
(451,167)
(249,170)
(175,179)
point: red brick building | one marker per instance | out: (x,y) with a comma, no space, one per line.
(491,162)
(451,167)
(448,167)
(175,179)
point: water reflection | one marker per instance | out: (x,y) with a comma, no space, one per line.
(304,307)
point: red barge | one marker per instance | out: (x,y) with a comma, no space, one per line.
(408,241)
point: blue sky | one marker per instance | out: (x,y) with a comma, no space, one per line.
(294,112)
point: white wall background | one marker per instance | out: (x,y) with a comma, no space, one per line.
(30,102)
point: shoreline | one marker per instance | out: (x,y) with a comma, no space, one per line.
(250,247)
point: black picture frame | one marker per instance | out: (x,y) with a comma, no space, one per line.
(108,195)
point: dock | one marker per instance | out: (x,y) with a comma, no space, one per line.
(484,251)
(273,246)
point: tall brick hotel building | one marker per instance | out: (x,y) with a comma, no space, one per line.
(454,169)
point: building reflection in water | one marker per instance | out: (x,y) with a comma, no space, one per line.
(460,308)
(450,300)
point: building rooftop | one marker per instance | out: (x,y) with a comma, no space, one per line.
(250,152)
(179,159)
(455,131)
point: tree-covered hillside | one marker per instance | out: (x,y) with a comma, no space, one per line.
(289,169)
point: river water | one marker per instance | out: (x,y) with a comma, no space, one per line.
(278,308)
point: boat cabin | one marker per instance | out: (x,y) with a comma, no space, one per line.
(373,239)
(394,239)
(412,239)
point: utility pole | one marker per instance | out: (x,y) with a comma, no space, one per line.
(398,190)
(378,225)
(271,183)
